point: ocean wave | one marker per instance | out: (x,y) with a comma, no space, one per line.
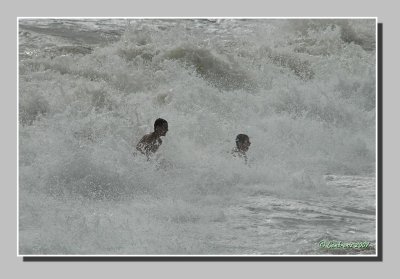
(305,95)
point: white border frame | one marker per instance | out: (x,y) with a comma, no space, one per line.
(213,256)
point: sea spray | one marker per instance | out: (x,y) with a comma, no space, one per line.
(305,96)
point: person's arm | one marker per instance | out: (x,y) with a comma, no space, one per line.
(141,146)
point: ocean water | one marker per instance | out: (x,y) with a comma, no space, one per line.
(302,89)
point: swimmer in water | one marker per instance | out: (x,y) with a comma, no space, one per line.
(150,143)
(242,146)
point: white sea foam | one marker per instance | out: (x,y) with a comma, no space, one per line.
(90,89)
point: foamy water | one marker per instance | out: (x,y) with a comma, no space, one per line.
(304,91)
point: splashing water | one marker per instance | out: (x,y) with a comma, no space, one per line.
(303,90)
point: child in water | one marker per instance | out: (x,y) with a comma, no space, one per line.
(242,146)
(150,143)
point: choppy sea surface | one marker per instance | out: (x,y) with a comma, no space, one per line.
(302,89)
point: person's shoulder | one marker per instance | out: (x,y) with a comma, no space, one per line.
(146,137)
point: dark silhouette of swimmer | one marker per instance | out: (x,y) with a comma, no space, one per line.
(150,143)
(242,146)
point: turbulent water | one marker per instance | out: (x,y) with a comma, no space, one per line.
(302,89)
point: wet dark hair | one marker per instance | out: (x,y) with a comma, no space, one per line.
(241,138)
(160,122)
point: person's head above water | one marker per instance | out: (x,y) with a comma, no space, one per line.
(160,127)
(150,143)
(242,142)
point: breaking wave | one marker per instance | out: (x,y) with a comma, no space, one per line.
(304,93)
